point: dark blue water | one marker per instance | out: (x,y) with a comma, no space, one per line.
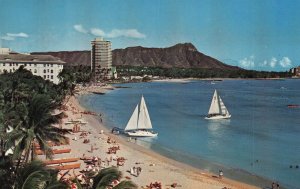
(262,137)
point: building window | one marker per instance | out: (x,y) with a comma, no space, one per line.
(44,77)
(3,64)
(35,71)
(51,76)
(51,71)
(10,70)
(51,65)
(44,71)
(48,76)
(25,64)
(9,64)
(44,65)
(48,71)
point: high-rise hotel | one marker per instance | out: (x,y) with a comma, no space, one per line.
(101,59)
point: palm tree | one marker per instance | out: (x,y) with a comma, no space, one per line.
(106,176)
(36,175)
(36,125)
(67,85)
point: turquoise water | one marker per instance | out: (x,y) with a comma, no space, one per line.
(262,137)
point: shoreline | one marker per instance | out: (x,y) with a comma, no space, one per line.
(194,174)
(201,167)
(103,89)
(186,80)
(233,174)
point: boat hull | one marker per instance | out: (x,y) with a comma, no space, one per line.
(218,117)
(141,133)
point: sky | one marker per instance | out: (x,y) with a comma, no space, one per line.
(253,34)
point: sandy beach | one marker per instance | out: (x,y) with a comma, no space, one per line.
(153,166)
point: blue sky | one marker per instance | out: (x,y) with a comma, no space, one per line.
(253,34)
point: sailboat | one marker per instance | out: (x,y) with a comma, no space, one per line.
(139,124)
(217,108)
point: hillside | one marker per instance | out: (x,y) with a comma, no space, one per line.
(72,58)
(180,56)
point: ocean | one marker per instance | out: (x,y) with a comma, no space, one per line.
(261,140)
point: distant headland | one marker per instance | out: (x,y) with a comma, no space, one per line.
(179,61)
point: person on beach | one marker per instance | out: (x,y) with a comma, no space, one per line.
(273,185)
(139,170)
(220,174)
(132,170)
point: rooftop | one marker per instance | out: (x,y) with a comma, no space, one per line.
(30,58)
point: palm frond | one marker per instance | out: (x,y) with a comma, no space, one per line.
(36,179)
(106,176)
(36,175)
(32,168)
(44,146)
(126,185)
(57,185)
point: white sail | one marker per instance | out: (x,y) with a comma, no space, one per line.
(133,121)
(144,121)
(224,110)
(215,107)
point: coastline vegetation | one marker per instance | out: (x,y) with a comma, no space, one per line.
(27,118)
(197,72)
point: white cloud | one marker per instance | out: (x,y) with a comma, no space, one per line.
(17,35)
(247,62)
(285,62)
(98,32)
(80,28)
(13,36)
(132,33)
(273,62)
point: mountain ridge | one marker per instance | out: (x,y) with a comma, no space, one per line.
(181,55)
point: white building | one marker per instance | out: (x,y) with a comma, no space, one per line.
(46,66)
(4,50)
(101,59)
(295,71)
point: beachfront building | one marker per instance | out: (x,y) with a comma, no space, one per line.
(101,59)
(296,71)
(46,66)
(5,51)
